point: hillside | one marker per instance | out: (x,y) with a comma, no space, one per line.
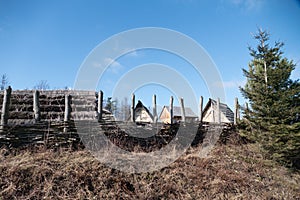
(233,171)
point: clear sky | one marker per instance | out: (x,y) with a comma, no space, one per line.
(49,40)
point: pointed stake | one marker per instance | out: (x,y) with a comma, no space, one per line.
(5,107)
(154,109)
(100,105)
(200,108)
(182,110)
(218,112)
(236,110)
(132,108)
(171,110)
(36,106)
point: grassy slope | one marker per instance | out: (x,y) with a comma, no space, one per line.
(233,171)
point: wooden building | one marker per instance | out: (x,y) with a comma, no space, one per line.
(164,116)
(210,112)
(142,114)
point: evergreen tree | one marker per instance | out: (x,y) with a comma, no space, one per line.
(111,105)
(274,100)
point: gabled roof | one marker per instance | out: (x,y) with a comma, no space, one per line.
(177,111)
(140,105)
(223,108)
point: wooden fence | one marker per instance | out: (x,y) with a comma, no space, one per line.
(30,106)
(32,116)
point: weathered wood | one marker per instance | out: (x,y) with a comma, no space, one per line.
(36,106)
(67,108)
(5,107)
(246,109)
(100,105)
(236,110)
(132,108)
(246,106)
(218,112)
(200,108)
(182,110)
(171,110)
(155,118)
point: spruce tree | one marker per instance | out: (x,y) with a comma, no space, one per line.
(274,100)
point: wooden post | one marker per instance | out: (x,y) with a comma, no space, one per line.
(200,108)
(67,108)
(132,108)
(5,107)
(246,107)
(171,110)
(236,110)
(246,112)
(100,105)
(155,118)
(36,106)
(218,112)
(182,110)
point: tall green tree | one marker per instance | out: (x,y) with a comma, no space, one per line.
(274,99)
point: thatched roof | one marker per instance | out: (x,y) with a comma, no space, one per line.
(141,105)
(177,111)
(223,108)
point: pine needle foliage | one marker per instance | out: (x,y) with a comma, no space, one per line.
(273,118)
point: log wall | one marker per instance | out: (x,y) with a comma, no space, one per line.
(52,105)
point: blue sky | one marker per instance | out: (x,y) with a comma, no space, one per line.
(49,40)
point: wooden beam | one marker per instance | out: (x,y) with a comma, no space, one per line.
(218,112)
(36,106)
(182,110)
(236,110)
(200,109)
(246,106)
(155,118)
(133,108)
(171,110)
(5,107)
(67,108)
(100,105)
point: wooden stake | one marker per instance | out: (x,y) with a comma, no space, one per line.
(236,107)
(200,108)
(67,108)
(218,112)
(133,108)
(171,110)
(246,106)
(155,118)
(100,105)
(182,110)
(36,106)
(5,107)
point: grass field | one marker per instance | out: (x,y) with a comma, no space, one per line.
(232,171)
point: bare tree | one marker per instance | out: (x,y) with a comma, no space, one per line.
(42,85)
(4,81)
(124,110)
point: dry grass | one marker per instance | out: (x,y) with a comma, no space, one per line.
(233,171)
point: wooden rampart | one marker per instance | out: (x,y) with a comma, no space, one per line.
(30,106)
(47,117)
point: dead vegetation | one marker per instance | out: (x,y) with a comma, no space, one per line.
(233,171)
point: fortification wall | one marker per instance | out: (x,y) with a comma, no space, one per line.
(52,105)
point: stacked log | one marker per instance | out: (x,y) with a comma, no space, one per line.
(49,128)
